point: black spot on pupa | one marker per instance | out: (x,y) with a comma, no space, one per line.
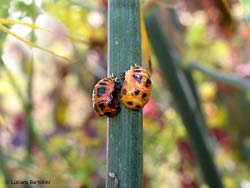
(130,103)
(96,109)
(137,77)
(108,114)
(148,83)
(117,88)
(101,91)
(122,75)
(137,70)
(102,84)
(136,92)
(144,95)
(138,106)
(124,91)
(105,80)
(101,105)
(111,104)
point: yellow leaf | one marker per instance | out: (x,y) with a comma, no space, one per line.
(12,22)
(31,44)
(145,41)
(72,38)
(6,30)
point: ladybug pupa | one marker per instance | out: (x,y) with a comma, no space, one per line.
(136,88)
(105,97)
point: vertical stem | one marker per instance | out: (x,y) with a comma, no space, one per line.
(124,136)
(184,99)
(29,130)
(27,108)
(3,166)
(192,86)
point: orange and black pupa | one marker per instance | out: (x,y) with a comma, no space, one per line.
(136,88)
(105,97)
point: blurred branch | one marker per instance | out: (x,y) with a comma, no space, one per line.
(184,98)
(220,76)
(27,108)
(191,83)
(77,67)
(3,166)
(12,82)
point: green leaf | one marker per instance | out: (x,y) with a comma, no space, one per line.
(220,76)
(184,99)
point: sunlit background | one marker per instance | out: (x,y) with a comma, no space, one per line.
(45,95)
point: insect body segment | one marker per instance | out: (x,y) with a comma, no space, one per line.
(136,88)
(105,97)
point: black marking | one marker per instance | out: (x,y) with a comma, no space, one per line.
(117,88)
(108,114)
(101,105)
(137,77)
(124,91)
(148,83)
(122,75)
(105,80)
(137,70)
(138,106)
(101,91)
(111,104)
(103,84)
(136,92)
(144,95)
(96,109)
(130,103)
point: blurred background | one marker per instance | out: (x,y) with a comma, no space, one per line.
(49,130)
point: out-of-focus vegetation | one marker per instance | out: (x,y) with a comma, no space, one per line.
(45,98)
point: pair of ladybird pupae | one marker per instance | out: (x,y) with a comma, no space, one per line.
(134,93)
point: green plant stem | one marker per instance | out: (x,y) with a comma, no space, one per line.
(3,166)
(192,86)
(27,108)
(182,94)
(124,136)
(220,76)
